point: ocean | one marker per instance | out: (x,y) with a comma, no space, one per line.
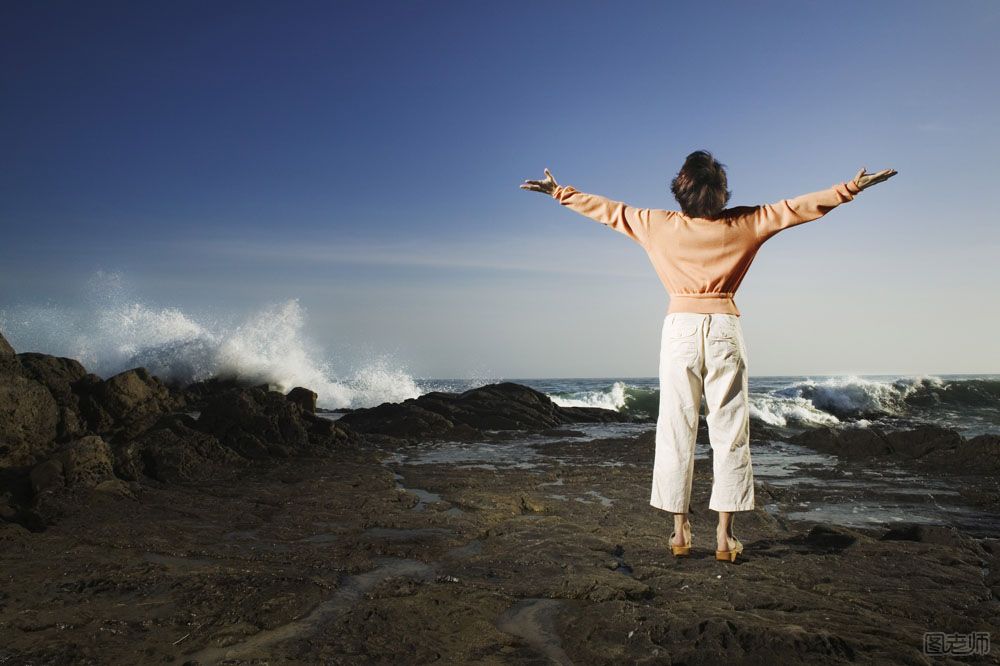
(113,331)
(968,403)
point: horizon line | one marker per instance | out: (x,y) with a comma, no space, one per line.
(844,374)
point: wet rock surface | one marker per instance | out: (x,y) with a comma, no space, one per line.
(258,532)
(927,447)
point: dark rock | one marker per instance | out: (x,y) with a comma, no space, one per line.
(58,375)
(197,395)
(6,351)
(29,420)
(398,420)
(125,404)
(257,423)
(62,484)
(855,443)
(47,475)
(981,453)
(939,534)
(134,391)
(827,538)
(503,406)
(943,449)
(304,398)
(763,432)
(174,451)
(8,361)
(84,463)
(920,441)
(8,507)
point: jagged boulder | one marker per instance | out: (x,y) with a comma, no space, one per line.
(84,463)
(855,443)
(923,440)
(257,423)
(59,375)
(404,419)
(174,451)
(198,394)
(304,398)
(63,484)
(929,445)
(981,452)
(125,404)
(29,420)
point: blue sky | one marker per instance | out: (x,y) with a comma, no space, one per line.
(364,159)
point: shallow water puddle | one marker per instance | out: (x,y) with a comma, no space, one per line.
(605,501)
(867,513)
(532,620)
(519,452)
(349,593)
(863,496)
(474,547)
(424,497)
(487,455)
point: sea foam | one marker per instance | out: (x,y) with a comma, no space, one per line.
(112,331)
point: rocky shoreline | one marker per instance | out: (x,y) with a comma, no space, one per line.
(144,523)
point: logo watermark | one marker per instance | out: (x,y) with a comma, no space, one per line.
(938,642)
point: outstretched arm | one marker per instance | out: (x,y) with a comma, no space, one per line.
(769,219)
(631,221)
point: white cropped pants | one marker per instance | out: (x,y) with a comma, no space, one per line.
(703,353)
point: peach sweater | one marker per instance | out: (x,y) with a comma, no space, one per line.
(702,261)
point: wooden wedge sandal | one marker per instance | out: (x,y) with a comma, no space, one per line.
(729,555)
(680,551)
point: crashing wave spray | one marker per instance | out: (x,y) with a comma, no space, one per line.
(851,396)
(114,331)
(613,398)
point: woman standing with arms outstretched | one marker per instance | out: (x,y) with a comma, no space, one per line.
(701,255)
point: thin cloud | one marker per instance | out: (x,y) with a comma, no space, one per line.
(495,254)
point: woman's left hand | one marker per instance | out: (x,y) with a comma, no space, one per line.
(865,180)
(547,186)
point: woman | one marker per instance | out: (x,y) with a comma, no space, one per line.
(701,255)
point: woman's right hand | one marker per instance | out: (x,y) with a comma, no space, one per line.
(864,180)
(547,186)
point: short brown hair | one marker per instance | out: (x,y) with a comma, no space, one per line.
(700,186)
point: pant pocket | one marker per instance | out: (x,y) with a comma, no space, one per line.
(723,327)
(685,350)
(724,340)
(681,327)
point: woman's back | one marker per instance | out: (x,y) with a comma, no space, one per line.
(702,261)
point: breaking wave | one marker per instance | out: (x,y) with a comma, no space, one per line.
(112,331)
(843,401)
